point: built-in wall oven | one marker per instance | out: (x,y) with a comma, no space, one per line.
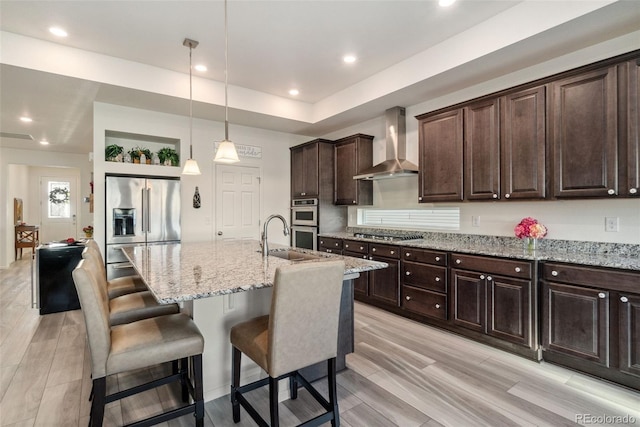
(304,223)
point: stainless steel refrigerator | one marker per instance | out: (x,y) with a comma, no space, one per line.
(139,210)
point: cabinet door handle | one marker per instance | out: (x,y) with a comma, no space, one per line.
(329,250)
(408,254)
(408,273)
(437,306)
(458,261)
(303,194)
(624,299)
(371,258)
(506,196)
(601,295)
(322,242)
(354,202)
(494,195)
(489,278)
(437,279)
(337,244)
(554,273)
(420,198)
(364,256)
(373,250)
(437,258)
(393,252)
(346,246)
(633,190)
(408,298)
(482,276)
(361,248)
(518,270)
(611,191)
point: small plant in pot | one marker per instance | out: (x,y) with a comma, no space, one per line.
(137,152)
(113,153)
(147,155)
(168,157)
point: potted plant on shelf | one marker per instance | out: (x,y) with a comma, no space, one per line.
(137,152)
(147,155)
(168,156)
(113,153)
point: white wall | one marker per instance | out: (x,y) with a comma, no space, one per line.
(14,179)
(571,219)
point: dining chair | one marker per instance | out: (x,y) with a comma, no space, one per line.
(141,344)
(300,330)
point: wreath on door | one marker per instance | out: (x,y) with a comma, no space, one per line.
(59,196)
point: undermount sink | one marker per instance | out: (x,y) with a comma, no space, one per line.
(292,255)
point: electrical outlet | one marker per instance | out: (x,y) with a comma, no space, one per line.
(475,221)
(611,223)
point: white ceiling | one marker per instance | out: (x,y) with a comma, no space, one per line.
(131,53)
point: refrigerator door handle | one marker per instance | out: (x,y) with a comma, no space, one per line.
(148,211)
(144,211)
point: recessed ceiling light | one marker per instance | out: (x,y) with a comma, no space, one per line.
(201,68)
(294,92)
(44,142)
(57,31)
(26,119)
(445,3)
(349,59)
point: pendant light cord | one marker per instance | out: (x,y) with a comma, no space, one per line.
(190,106)
(226,74)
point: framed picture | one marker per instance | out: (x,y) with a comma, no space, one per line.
(17,211)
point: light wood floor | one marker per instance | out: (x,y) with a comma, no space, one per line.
(402,374)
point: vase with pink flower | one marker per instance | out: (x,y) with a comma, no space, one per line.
(530,230)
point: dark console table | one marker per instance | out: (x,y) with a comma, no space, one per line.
(54,285)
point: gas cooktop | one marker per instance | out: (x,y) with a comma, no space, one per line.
(388,237)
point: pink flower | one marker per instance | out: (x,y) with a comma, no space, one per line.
(529,227)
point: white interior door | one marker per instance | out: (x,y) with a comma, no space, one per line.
(237,202)
(59,206)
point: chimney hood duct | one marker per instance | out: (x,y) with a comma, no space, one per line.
(395,165)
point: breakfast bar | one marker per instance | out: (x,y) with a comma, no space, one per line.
(210,280)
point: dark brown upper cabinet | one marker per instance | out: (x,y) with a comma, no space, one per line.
(440,144)
(523,144)
(482,150)
(583,121)
(304,171)
(353,154)
(630,182)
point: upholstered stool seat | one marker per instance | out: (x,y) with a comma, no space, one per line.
(145,343)
(120,285)
(137,306)
(300,330)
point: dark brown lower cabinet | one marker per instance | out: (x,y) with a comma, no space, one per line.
(469,300)
(591,321)
(629,312)
(509,308)
(384,284)
(576,322)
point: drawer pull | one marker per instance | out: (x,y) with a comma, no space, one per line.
(303,194)
(408,298)
(371,258)
(437,258)
(373,250)
(554,273)
(437,305)
(393,252)
(624,299)
(601,295)
(458,261)
(408,273)
(633,190)
(482,276)
(361,248)
(337,243)
(408,254)
(354,202)
(437,279)
(364,256)
(322,242)
(346,246)
(518,270)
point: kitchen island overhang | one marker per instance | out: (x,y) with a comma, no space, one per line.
(210,279)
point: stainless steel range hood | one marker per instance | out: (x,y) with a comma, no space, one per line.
(396,164)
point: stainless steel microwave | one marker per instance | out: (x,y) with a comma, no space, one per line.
(305,212)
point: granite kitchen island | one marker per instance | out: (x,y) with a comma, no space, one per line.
(211,280)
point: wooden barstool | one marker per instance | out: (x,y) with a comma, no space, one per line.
(301,330)
(27,236)
(136,345)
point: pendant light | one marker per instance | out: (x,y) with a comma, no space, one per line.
(226,149)
(190,166)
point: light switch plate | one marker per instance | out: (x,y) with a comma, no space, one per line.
(611,223)
(475,221)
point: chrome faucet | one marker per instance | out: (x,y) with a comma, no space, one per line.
(263,237)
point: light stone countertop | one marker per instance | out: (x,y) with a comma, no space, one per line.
(178,272)
(491,247)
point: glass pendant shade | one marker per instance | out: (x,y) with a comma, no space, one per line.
(191,168)
(226,153)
